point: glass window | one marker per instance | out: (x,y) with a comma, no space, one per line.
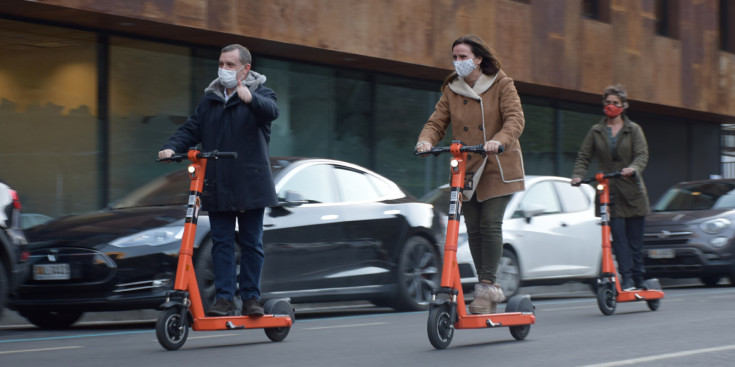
(382,187)
(49,143)
(537,140)
(153,88)
(539,196)
(314,183)
(355,186)
(727,25)
(573,199)
(576,122)
(667,18)
(596,9)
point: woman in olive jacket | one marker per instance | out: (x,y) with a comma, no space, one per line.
(620,145)
(483,107)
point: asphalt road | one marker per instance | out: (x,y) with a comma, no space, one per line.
(693,326)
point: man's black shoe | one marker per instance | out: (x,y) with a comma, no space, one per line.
(251,307)
(222,307)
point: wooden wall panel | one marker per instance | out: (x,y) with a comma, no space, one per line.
(546,45)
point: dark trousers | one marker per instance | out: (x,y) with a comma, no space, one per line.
(250,223)
(484,221)
(627,235)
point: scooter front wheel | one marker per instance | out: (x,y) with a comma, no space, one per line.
(653,304)
(171,329)
(440,325)
(606,298)
(278,307)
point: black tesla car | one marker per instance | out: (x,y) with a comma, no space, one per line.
(353,235)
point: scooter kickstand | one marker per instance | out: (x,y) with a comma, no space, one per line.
(490,323)
(232,326)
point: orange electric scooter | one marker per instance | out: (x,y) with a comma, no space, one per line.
(183,306)
(609,290)
(447,310)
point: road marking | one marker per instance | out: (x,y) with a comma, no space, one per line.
(72,336)
(662,356)
(39,350)
(344,326)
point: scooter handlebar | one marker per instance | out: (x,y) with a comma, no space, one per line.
(215,154)
(604,175)
(479,148)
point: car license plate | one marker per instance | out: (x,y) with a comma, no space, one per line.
(661,253)
(51,272)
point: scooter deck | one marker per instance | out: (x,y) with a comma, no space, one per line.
(494,320)
(639,295)
(241,322)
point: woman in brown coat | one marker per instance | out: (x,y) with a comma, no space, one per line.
(620,145)
(482,105)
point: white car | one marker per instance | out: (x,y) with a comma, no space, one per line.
(550,234)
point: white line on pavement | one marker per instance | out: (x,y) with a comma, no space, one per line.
(662,356)
(38,350)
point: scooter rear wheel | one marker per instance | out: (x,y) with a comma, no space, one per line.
(520,304)
(278,307)
(606,298)
(171,330)
(440,326)
(653,304)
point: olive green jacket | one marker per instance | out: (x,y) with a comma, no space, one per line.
(628,196)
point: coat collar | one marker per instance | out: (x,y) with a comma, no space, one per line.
(483,83)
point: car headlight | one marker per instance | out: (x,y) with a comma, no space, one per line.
(151,237)
(715,226)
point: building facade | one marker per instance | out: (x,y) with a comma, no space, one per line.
(91,89)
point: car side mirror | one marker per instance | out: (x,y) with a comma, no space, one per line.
(532,211)
(292,199)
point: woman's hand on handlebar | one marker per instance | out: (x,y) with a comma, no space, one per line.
(423,146)
(492,146)
(576,181)
(165,154)
(627,172)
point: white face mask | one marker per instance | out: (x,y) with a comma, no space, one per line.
(228,78)
(464,67)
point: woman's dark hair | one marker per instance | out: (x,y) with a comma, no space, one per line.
(490,63)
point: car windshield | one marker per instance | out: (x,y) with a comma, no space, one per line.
(701,196)
(171,189)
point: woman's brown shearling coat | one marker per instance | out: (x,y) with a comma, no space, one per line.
(504,121)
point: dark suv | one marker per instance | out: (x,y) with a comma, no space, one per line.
(13,244)
(691,232)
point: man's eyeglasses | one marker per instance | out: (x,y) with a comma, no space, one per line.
(615,103)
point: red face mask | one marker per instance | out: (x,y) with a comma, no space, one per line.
(612,110)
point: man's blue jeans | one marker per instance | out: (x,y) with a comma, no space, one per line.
(250,240)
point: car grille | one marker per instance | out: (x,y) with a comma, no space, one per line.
(666,237)
(85,266)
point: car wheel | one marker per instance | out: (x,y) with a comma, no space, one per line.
(204,268)
(710,280)
(52,319)
(418,274)
(4,286)
(509,274)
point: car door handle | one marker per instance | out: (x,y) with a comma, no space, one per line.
(564,224)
